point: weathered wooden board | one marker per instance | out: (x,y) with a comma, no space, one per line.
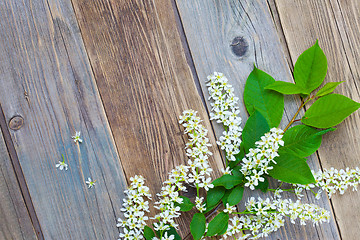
(336,25)
(145,83)
(229,37)
(15,220)
(46,79)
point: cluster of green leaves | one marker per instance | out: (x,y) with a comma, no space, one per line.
(264,101)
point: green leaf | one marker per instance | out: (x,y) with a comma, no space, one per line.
(291,169)
(256,126)
(269,103)
(263,186)
(286,88)
(235,195)
(148,233)
(227,181)
(236,172)
(198,226)
(327,88)
(238,156)
(217,224)
(224,199)
(186,205)
(329,111)
(224,229)
(213,196)
(172,231)
(310,68)
(302,140)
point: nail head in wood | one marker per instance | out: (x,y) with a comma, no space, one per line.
(16,122)
(239,46)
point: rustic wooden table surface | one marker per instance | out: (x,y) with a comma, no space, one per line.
(121,72)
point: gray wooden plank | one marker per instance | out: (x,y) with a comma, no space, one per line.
(145,83)
(46,79)
(229,37)
(336,25)
(15,219)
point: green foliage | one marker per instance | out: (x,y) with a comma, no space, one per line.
(217,224)
(224,229)
(148,233)
(327,88)
(171,231)
(186,205)
(224,199)
(256,126)
(263,186)
(198,226)
(329,111)
(228,181)
(291,169)
(286,88)
(269,103)
(235,195)
(310,69)
(236,172)
(303,140)
(214,196)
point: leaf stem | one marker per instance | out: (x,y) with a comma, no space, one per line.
(297,112)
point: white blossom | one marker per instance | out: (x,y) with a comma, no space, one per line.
(90,183)
(77,137)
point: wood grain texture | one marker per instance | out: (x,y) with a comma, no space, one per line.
(46,79)
(336,24)
(229,37)
(145,84)
(15,220)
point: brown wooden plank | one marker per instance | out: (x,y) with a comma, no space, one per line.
(229,37)
(46,79)
(15,220)
(144,81)
(336,25)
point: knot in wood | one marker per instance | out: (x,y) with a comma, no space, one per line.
(239,46)
(16,122)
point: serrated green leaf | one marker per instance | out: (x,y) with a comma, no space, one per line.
(329,111)
(291,169)
(227,181)
(256,126)
(214,196)
(327,88)
(302,140)
(198,226)
(310,68)
(186,205)
(285,88)
(217,224)
(263,186)
(148,233)
(269,103)
(235,196)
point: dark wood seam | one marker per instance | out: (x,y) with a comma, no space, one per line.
(20,175)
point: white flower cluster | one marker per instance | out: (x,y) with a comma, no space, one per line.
(197,150)
(134,208)
(265,216)
(169,197)
(197,172)
(256,162)
(332,181)
(225,110)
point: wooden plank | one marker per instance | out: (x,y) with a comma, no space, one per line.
(229,37)
(336,25)
(145,83)
(46,80)
(15,220)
